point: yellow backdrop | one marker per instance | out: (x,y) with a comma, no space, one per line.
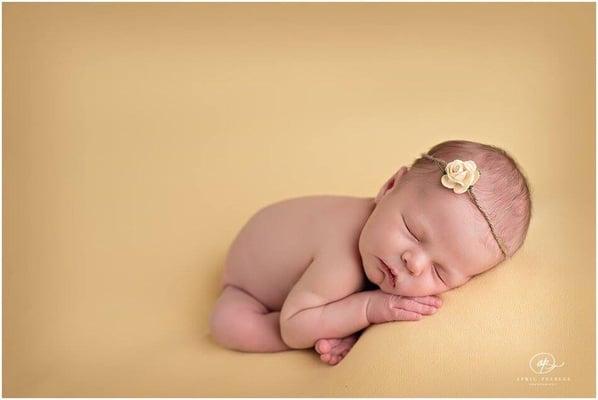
(139,138)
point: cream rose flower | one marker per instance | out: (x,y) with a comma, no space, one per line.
(460,175)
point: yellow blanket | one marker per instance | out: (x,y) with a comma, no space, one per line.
(138,139)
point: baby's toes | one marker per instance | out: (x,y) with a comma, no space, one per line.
(324,346)
(332,351)
(334,360)
(344,346)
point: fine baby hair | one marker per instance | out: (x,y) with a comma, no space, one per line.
(491,179)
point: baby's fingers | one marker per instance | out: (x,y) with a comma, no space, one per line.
(428,300)
(414,306)
(400,314)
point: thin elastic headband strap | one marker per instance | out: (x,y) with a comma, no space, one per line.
(442,165)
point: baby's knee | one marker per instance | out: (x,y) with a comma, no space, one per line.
(220,326)
(230,329)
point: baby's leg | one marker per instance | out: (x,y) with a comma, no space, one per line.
(240,322)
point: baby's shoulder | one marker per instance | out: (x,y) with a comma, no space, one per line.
(335,270)
(334,273)
(314,204)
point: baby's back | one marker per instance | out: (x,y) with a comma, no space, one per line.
(277,244)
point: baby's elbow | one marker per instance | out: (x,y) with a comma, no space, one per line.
(287,336)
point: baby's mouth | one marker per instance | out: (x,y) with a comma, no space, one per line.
(389,272)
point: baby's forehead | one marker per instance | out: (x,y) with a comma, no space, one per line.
(428,196)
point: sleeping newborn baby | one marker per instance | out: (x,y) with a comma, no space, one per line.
(316,271)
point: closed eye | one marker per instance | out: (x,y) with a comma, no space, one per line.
(408,228)
(439,277)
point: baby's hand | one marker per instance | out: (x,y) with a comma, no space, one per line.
(385,307)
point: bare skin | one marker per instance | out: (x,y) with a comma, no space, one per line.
(300,273)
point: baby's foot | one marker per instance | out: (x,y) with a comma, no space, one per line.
(333,350)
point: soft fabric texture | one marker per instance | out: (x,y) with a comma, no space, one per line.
(139,138)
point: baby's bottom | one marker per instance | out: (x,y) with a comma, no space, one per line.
(240,322)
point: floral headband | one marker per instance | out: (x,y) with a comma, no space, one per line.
(461,176)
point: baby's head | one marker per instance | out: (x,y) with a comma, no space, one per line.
(434,239)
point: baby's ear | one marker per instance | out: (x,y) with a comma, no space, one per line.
(391,183)
(402,171)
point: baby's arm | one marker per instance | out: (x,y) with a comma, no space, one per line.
(355,312)
(333,320)
(325,303)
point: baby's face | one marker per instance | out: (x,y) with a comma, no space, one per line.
(430,237)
